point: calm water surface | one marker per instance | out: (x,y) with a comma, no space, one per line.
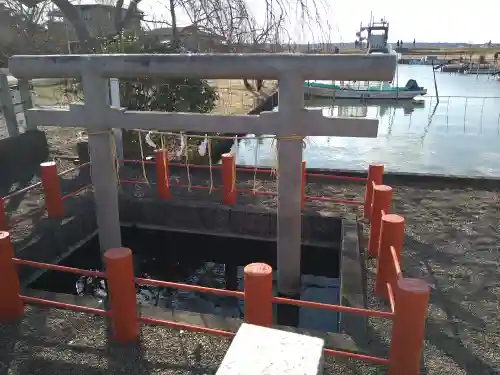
(460,135)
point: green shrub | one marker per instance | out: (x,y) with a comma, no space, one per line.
(157,93)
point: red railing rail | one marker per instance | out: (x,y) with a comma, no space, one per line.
(229,190)
(53,197)
(410,300)
(407,297)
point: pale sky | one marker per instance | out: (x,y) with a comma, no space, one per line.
(424,20)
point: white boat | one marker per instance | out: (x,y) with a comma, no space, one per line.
(363,90)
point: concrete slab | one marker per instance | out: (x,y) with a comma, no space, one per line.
(265,351)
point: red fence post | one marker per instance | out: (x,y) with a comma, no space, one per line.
(391,234)
(258,285)
(11,306)
(162,188)
(228,179)
(408,327)
(382,195)
(52,189)
(375,175)
(4,225)
(304,181)
(122,299)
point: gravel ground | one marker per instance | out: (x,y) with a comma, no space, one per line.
(452,241)
(452,236)
(49,342)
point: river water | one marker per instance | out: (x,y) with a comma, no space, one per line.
(458,136)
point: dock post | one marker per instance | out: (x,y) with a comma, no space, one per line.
(289,180)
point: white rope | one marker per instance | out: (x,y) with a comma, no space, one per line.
(286,137)
(256,163)
(141,147)
(186,156)
(210,164)
(165,157)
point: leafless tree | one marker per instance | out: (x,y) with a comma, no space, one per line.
(25,31)
(71,13)
(227,18)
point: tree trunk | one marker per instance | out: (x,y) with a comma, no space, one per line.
(71,13)
(176,42)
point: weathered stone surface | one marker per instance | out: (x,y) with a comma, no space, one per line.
(211,217)
(265,351)
(351,282)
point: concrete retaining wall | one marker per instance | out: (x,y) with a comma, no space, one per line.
(216,219)
(54,239)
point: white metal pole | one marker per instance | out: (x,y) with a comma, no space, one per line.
(115,102)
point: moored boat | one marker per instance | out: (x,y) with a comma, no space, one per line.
(375,42)
(363,90)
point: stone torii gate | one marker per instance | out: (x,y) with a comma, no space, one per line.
(289,124)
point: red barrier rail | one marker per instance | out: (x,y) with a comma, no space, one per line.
(337,308)
(408,316)
(53,198)
(187,327)
(189,287)
(229,189)
(334,177)
(55,267)
(76,192)
(63,306)
(22,191)
(331,200)
(359,357)
(78,167)
(51,189)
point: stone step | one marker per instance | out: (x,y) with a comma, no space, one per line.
(258,350)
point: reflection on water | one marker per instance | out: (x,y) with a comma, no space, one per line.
(209,261)
(458,136)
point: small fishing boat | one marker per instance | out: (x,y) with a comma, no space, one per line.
(363,90)
(374,43)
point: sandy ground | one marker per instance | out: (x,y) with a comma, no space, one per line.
(452,240)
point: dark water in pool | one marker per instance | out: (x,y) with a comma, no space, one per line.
(210,261)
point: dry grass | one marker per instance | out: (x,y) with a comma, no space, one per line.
(234,98)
